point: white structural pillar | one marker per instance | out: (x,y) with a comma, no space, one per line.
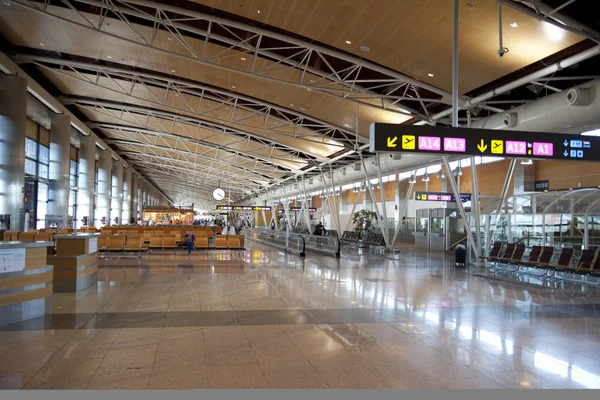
(127,196)
(60,157)
(104,178)
(116,201)
(135,200)
(87,174)
(13,119)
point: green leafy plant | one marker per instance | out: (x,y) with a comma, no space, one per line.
(364,221)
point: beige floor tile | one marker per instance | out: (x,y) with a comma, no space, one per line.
(65,374)
(22,360)
(14,380)
(295,380)
(125,358)
(120,379)
(180,378)
(83,349)
(230,355)
(99,336)
(236,377)
(166,361)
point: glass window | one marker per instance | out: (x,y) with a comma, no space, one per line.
(30,167)
(43,171)
(73,173)
(44,157)
(42,206)
(31,148)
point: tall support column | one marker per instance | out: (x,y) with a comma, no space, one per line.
(104,177)
(13,120)
(135,196)
(353,210)
(460,206)
(475,208)
(87,174)
(127,196)
(503,194)
(372,193)
(383,206)
(116,203)
(403,212)
(60,156)
(305,205)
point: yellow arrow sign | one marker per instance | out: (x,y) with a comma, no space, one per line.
(391,142)
(418,197)
(482,146)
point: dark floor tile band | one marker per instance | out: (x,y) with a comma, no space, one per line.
(290,317)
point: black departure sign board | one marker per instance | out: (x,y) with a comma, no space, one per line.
(243,208)
(439,196)
(482,142)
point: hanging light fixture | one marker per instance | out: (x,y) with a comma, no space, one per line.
(441,174)
(363,187)
(355,189)
(412,179)
(526,161)
(458,171)
(425,177)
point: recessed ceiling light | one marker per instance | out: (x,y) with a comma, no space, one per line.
(173,70)
(348,42)
(514,25)
(365,48)
(169,38)
(303,109)
(42,44)
(291,105)
(258,12)
(471,6)
(108,56)
(233,87)
(243,58)
(430,75)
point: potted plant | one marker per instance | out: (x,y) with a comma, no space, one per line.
(364,222)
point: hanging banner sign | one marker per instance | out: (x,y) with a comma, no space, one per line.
(385,138)
(244,208)
(439,196)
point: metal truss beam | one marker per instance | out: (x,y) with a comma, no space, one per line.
(271,160)
(160,89)
(339,74)
(161,151)
(143,116)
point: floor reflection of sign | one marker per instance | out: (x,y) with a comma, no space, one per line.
(93,245)
(12,260)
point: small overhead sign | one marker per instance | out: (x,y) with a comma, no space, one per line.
(243,208)
(439,196)
(310,209)
(482,142)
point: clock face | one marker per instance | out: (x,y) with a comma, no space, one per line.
(218,194)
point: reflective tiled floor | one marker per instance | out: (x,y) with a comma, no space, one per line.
(263,319)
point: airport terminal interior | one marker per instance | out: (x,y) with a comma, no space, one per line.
(299,194)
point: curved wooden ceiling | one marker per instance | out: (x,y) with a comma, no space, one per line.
(167,111)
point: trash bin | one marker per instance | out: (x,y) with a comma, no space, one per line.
(460,255)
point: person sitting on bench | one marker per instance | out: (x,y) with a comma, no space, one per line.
(188,240)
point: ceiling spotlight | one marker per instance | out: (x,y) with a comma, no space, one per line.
(441,174)
(173,70)
(363,188)
(365,48)
(42,44)
(425,177)
(514,25)
(430,75)
(526,161)
(108,56)
(412,179)
(169,38)
(458,171)
(243,58)
(303,109)
(348,42)
(258,12)
(291,105)
(355,189)
(233,87)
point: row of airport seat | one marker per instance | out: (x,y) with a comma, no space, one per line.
(511,258)
(139,243)
(375,239)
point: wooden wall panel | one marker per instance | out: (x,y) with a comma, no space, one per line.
(568,174)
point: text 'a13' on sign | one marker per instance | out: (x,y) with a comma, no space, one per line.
(482,142)
(439,196)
